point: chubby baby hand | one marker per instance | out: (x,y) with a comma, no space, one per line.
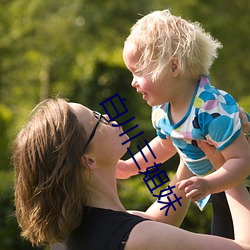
(195,187)
(122,170)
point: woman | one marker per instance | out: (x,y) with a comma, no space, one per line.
(65,188)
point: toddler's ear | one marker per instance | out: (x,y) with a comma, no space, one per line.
(175,66)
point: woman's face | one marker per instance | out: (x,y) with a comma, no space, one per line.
(106,142)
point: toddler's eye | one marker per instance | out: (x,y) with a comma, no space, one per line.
(137,73)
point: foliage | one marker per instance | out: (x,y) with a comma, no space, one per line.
(245,103)
(5,123)
(230,71)
(73,49)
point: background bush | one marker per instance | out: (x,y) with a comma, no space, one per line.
(73,48)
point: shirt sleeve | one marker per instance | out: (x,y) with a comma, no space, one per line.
(159,121)
(219,120)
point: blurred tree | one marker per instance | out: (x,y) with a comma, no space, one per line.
(5,123)
(72,48)
(228,22)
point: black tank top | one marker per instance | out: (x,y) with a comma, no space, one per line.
(102,229)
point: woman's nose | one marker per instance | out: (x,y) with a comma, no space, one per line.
(109,119)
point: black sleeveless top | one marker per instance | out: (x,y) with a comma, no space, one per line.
(102,229)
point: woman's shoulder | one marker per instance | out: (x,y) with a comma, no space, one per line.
(110,227)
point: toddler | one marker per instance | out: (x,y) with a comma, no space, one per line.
(170,59)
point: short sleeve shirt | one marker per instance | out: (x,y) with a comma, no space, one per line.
(102,229)
(213,115)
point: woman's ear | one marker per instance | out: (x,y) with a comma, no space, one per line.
(175,66)
(90,161)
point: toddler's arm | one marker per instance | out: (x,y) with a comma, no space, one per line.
(234,171)
(162,149)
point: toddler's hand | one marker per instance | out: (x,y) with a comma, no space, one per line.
(194,187)
(122,170)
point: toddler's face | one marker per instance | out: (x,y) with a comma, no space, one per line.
(152,92)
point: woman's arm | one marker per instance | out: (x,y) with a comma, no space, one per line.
(160,236)
(239,203)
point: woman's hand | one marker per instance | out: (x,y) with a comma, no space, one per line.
(245,124)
